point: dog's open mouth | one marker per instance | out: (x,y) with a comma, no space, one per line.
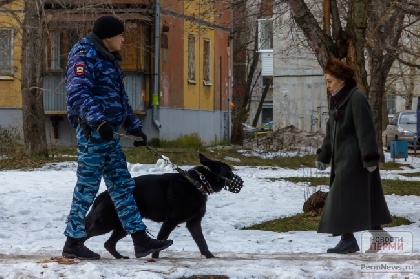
(234,185)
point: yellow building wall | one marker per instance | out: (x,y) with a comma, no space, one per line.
(10,86)
(197,95)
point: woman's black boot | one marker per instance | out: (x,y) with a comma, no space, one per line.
(347,244)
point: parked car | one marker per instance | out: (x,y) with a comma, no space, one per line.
(402,127)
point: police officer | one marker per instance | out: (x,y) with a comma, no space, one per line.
(96,105)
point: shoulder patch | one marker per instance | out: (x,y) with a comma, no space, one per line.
(79,68)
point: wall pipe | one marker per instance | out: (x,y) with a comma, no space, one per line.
(155,96)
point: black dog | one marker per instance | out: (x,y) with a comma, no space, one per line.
(171,198)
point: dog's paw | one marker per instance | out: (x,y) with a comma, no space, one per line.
(121,257)
(209,255)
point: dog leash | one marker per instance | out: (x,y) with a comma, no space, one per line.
(235,184)
(128,136)
(204,186)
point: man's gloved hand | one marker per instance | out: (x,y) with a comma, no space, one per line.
(105,131)
(139,133)
(320,165)
(371,168)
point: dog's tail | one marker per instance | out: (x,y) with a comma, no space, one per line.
(100,198)
(93,218)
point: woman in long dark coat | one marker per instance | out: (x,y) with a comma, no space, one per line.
(355,201)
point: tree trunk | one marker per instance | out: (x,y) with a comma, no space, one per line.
(242,113)
(260,105)
(32,100)
(385,27)
(237,131)
(356,30)
(377,87)
(383,34)
(321,44)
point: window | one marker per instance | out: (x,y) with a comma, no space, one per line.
(6,51)
(60,43)
(391,104)
(267,112)
(206,62)
(191,58)
(56,50)
(265,34)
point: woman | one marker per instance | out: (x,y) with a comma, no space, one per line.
(355,201)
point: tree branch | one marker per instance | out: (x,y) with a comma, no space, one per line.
(396,21)
(321,44)
(409,8)
(4,2)
(336,22)
(408,63)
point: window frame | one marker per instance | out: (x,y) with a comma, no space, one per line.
(191,75)
(4,72)
(207,65)
(264,38)
(60,42)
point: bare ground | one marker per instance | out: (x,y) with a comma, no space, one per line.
(287,138)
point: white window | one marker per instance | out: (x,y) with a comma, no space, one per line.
(191,58)
(265,34)
(6,51)
(206,62)
(56,50)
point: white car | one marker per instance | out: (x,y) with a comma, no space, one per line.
(402,126)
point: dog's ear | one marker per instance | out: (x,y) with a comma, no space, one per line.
(203,159)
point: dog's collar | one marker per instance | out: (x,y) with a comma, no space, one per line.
(203,186)
(233,185)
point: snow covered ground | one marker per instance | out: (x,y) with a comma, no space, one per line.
(34,205)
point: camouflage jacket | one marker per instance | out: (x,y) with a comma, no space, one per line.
(95,88)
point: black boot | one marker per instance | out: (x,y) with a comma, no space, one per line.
(75,248)
(347,244)
(145,245)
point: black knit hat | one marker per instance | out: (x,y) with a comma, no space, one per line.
(108,27)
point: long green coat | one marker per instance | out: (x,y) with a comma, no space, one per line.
(355,201)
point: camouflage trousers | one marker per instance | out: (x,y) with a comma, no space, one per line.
(96,160)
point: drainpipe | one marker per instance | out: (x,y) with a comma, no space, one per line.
(230,77)
(155,96)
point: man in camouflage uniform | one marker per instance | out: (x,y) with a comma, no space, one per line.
(96,105)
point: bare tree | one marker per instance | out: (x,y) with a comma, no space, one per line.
(32,29)
(403,76)
(32,101)
(373,26)
(246,72)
